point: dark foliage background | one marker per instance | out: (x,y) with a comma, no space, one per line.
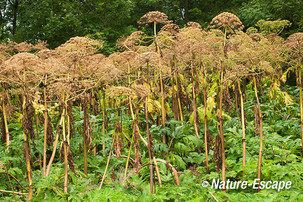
(55,21)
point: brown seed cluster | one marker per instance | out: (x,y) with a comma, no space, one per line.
(295,41)
(193,25)
(154,16)
(170,28)
(131,42)
(228,22)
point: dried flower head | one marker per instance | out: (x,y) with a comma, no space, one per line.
(256,36)
(7,48)
(23,47)
(64,86)
(80,44)
(193,25)
(191,33)
(295,41)
(154,16)
(140,90)
(151,58)
(266,66)
(171,28)
(22,61)
(40,45)
(130,42)
(105,71)
(227,21)
(124,61)
(47,53)
(274,38)
(53,65)
(116,91)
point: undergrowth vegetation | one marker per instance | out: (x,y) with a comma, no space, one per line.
(157,120)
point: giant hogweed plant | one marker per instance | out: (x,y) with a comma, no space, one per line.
(91,121)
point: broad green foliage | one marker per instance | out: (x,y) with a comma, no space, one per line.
(282,161)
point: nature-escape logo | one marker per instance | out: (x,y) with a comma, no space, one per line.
(257,184)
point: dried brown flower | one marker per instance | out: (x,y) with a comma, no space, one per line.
(23,47)
(140,90)
(124,61)
(256,36)
(295,41)
(47,53)
(227,21)
(40,45)
(170,28)
(193,25)
(81,45)
(116,91)
(154,16)
(131,42)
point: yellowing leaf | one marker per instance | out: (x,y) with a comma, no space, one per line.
(287,98)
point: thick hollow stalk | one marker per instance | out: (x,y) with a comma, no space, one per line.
(85,132)
(221,127)
(301,102)
(54,151)
(243,127)
(261,132)
(131,143)
(5,124)
(130,101)
(65,150)
(162,102)
(195,105)
(178,97)
(150,155)
(104,120)
(27,146)
(45,128)
(220,111)
(154,160)
(205,125)
(174,99)
(28,167)
(128,157)
(85,155)
(107,164)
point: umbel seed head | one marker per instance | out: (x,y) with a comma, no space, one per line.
(227,21)
(154,16)
(295,41)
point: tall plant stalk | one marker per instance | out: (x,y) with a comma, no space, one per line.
(5,124)
(150,154)
(27,142)
(178,97)
(195,111)
(205,122)
(64,145)
(220,109)
(107,164)
(243,127)
(45,127)
(261,131)
(54,148)
(7,140)
(221,125)
(301,101)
